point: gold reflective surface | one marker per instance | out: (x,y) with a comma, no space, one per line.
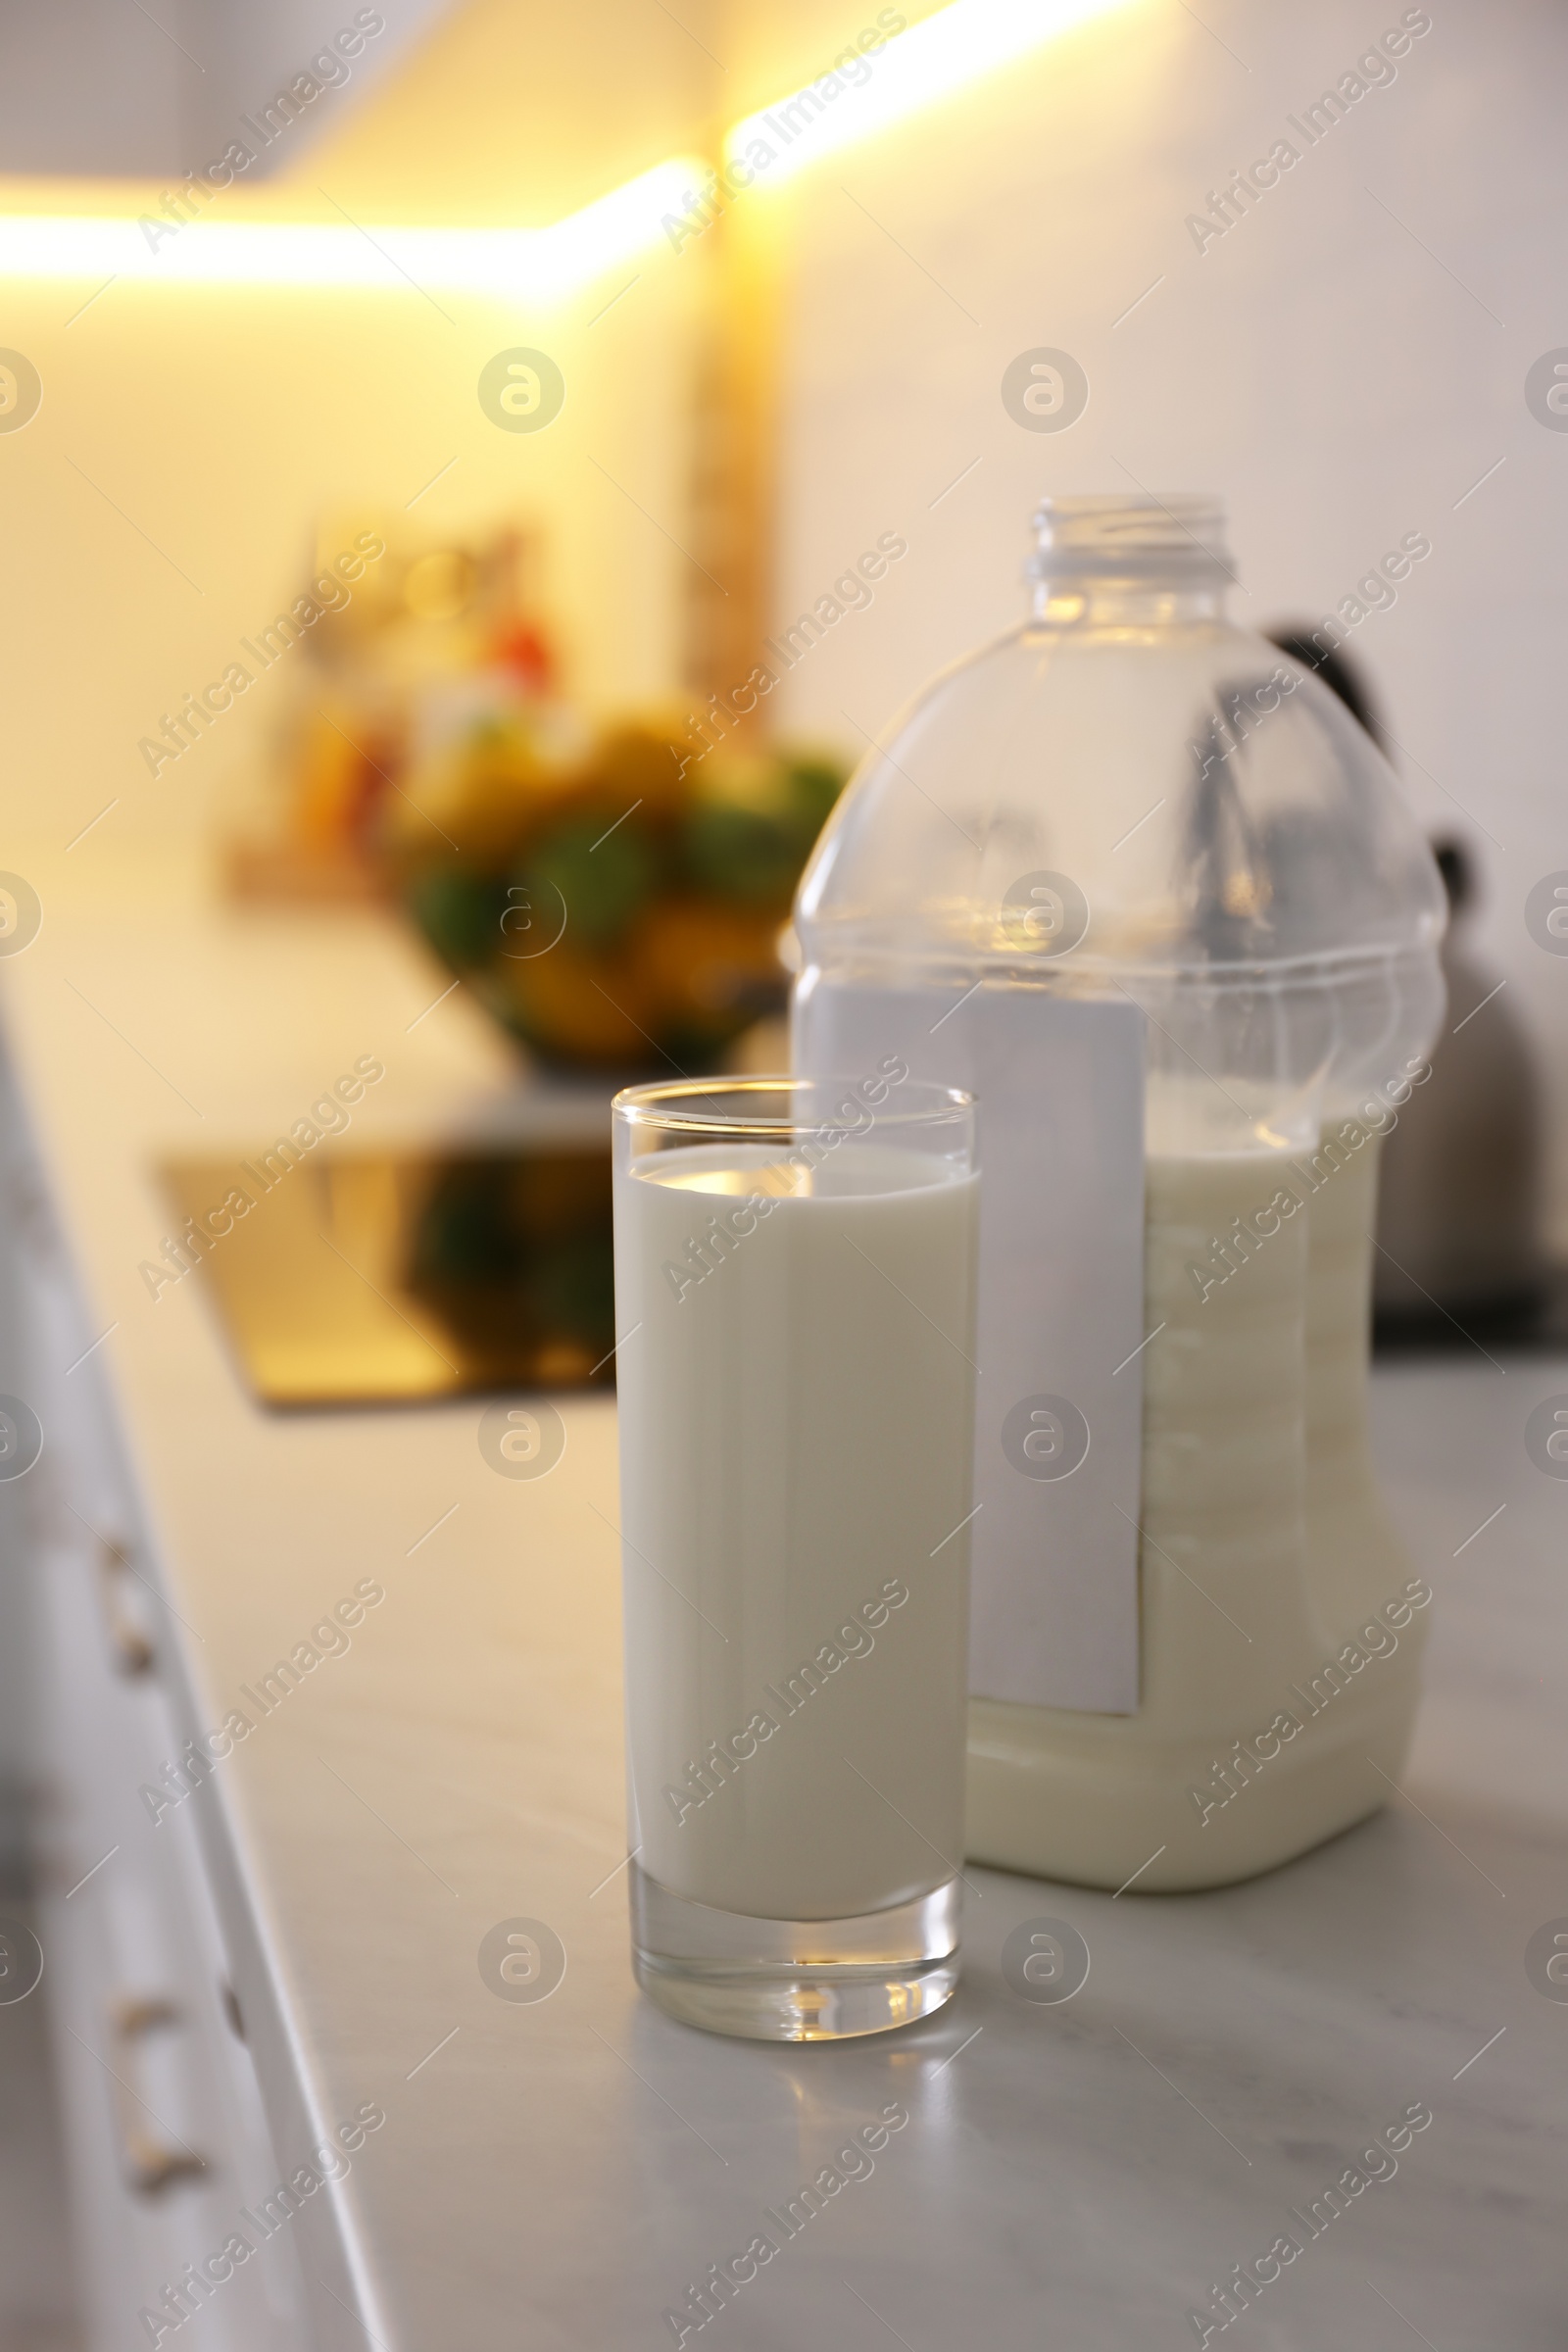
(390,1278)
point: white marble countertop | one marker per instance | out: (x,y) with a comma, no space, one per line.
(555,2174)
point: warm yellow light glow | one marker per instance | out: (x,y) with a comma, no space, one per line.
(540,263)
(911,69)
(930,61)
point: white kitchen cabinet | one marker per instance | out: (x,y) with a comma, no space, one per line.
(166,2137)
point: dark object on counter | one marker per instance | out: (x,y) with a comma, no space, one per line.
(1337,672)
(1458,1195)
(1458,1219)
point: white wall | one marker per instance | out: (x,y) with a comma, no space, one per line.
(163,501)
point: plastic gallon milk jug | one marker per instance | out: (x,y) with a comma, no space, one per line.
(1142,884)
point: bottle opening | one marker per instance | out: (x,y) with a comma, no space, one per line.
(1180,535)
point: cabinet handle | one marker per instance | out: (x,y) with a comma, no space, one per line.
(151,2165)
(129,1650)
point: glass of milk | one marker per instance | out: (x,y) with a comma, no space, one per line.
(795,1292)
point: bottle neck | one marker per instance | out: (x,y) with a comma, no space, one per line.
(1115,562)
(1087,599)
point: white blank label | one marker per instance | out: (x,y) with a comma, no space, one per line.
(1059,1416)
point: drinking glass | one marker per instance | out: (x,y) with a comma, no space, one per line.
(795,1277)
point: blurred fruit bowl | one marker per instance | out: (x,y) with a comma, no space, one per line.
(619,909)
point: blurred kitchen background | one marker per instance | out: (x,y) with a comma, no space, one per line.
(609,471)
(747,407)
(748,404)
